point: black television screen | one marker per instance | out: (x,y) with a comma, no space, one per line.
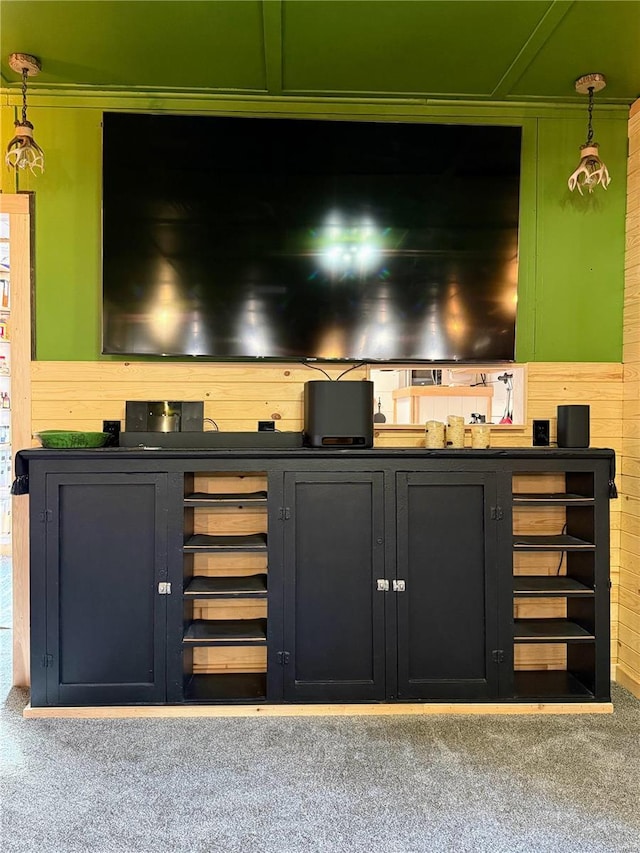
(289,239)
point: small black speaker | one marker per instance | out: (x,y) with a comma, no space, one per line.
(541,433)
(338,414)
(113,428)
(573,426)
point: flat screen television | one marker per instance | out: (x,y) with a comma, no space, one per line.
(294,239)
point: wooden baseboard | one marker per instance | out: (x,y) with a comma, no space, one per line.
(627,680)
(377,709)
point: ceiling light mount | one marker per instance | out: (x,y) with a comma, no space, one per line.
(591,170)
(19,62)
(23,151)
(595,81)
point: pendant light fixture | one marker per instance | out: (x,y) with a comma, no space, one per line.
(591,170)
(23,151)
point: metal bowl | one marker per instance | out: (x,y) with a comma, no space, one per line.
(71,438)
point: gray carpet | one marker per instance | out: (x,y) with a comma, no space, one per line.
(388,784)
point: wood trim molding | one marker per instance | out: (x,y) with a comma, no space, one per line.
(19,207)
(628,640)
(627,680)
(337,710)
(15,203)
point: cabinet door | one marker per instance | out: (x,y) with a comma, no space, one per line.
(447,621)
(106,553)
(333,611)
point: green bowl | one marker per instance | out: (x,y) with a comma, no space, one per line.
(71,438)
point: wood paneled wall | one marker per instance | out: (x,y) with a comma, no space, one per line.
(18,206)
(80,395)
(628,670)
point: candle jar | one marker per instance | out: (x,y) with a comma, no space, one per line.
(434,434)
(480,436)
(455,431)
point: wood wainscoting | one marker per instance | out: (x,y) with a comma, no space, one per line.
(628,669)
(18,206)
(80,395)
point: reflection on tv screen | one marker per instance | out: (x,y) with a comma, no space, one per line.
(294,239)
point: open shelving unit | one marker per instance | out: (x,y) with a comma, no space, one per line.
(225,588)
(555,552)
(203,590)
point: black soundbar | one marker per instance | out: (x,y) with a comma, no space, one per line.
(212,440)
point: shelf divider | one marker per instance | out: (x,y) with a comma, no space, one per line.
(525,586)
(549,631)
(207,542)
(552,542)
(235,499)
(248,586)
(226,632)
(551,499)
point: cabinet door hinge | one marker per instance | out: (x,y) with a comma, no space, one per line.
(496,513)
(47,660)
(46,516)
(164,589)
(284,513)
(283,658)
(497,655)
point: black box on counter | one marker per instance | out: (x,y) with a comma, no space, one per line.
(213,440)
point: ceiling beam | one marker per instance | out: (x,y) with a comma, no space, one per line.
(536,41)
(272,30)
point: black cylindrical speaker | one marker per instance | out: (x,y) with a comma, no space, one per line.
(573,426)
(338,414)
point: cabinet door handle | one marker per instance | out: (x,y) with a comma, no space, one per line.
(399,586)
(164,589)
(382,585)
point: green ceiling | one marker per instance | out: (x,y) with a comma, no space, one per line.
(452,49)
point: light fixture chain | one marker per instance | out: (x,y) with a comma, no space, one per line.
(25,74)
(590,125)
(23,152)
(591,171)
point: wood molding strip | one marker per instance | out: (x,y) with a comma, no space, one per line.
(337,710)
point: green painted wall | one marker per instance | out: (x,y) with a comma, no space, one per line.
(571,248)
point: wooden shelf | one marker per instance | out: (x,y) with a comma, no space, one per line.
(226,632)
(549,685)
(559,542)
(443,391)
(238,500)
(549,586)
(551,499)
(549,631)
(233,687)
(207,542)
(414,393)
(250,586)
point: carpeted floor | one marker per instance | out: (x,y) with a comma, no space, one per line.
(302,785)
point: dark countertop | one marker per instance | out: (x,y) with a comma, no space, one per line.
(155,458)
(319,453)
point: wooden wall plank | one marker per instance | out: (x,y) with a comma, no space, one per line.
(18,206)
(80,395)
(628,670)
